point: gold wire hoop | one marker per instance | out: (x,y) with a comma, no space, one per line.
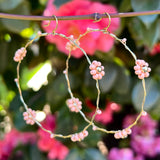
(109,17)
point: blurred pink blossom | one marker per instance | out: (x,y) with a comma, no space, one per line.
(55,149)
(156,49)
(145,127)
(12,140)
(123,154)
(144,140)
(106,116)
(146,145)
(92,41)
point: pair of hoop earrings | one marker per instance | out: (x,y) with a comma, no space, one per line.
(97,71)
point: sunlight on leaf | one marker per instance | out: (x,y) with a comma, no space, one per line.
(27,32)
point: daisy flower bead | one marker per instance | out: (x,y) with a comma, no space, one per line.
(29,115)
(142,69)
(96,70)
(74,104)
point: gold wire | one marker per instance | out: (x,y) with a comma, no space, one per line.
(56,23)
(109,17)
(50,23)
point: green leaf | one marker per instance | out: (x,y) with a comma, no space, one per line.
(92,135)
(86,154)
(89,89)
(3,56)
(35,153)
(75,154)
(17,26)
(5,95)
(27,74)
(64,113)
(121,98)
(93,154)
(153,94)
(155,112)
(107,82)
(58,3)
(6,5)
(143,35)
(35,100)
(122,83)
(58,90)
(146,5)
(125,6)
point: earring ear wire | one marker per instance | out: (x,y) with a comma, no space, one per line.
(56,23)
(50,22)
(109,17)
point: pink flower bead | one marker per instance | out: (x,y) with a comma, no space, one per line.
(20,54)
(117,135)
(94,128)
(142,69)
(70,45)
(96,70)
(128,130)
(99,111)
(74,104)
(144,113)
(122,134)
(29,115)
(85,133)
(79,136)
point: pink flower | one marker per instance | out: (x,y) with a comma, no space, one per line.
(74,104)
(58,151)
(145,127)
(106,116)
(155,50)
(142,69)
(12,140)
(92,41)
(96,70)
(121,154)
(29,116)
(147,145)
(20,54)
(55,149)
(144,140)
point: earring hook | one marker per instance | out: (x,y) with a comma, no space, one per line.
(56,23)
(109,17)
(50,22)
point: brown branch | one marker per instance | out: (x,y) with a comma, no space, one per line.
(94,16)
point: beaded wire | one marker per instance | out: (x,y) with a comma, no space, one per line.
(97,72)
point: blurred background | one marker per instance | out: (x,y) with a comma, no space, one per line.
(45,89)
